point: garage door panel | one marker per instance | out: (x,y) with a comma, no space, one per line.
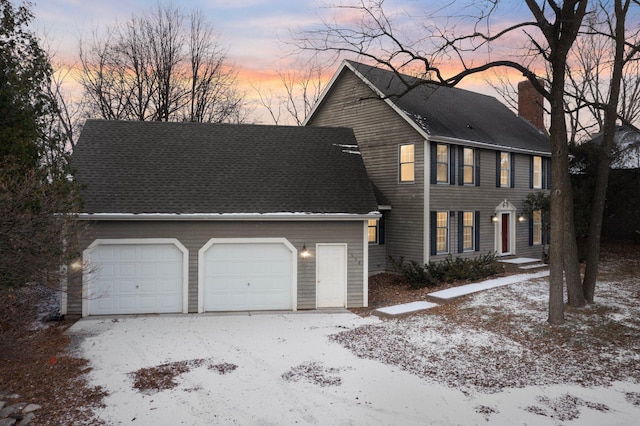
(136,278)
(247,276)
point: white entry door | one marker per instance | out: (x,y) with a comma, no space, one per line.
(331,276)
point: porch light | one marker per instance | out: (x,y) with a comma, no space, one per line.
(521,218)
(305,252)
(494,218)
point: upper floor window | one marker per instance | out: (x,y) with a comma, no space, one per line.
(468,166)
(505,170)
(536,172)
(505,173)
(442,163)
(407,163)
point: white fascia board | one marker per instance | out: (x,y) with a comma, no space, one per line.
(284,216)
(494,147)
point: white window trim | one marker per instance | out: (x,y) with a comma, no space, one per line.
(472,165)
(401,163)
(448,163)
(473,231)
(533,172)
(448,229)
(508,169)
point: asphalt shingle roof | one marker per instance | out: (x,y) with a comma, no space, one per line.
(457,113)
(155,167)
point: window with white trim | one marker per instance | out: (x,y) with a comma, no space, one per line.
(442,163)
(407,163)
(536,217)
(505,170)
(372,230)
(536,173)
(468,166)
(468,231)
(442,232)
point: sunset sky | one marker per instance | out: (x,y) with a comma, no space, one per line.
(256,32)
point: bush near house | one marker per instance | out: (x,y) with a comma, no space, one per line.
(446,271)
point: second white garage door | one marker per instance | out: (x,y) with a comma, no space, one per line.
(238,275)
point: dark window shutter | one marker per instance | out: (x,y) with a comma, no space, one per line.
(452,165)
(476,230)
(460,166)
(531,230)
(381,229)
(548,173)
(531,171)
(476,156)
(497,169)
(460,233)
(512,164)
(432,148)
(432,240)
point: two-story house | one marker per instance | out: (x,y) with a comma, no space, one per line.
(450,167)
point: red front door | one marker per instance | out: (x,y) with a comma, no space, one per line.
(505,232)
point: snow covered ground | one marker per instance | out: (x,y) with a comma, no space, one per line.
(488,359)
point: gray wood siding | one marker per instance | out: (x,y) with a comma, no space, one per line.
(193,235)
(379,130)
(377,258)
(485,198)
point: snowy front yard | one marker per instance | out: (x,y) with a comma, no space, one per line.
(489,358)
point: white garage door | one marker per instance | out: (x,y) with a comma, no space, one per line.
(247,276)
(135,279)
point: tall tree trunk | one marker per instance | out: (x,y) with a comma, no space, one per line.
(570,253)
(604,160)
(559,150)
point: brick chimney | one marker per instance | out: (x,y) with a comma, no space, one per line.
(531,104)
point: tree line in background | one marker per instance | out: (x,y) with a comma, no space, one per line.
(169,65)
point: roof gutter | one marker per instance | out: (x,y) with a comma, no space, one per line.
(284,216)
(494,147)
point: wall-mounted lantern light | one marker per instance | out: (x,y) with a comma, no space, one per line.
(494,218)
(521,217)
(305,251)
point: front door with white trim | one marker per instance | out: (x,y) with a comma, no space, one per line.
(505,229)
(331,275)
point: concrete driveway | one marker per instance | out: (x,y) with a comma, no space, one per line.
(288,372)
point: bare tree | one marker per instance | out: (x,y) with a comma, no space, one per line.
(623,52)
(547,36)
(301,89)
(163,65)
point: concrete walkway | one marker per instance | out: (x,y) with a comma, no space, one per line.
(452,293)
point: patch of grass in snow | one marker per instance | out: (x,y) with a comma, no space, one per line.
(564,408)
(315,373)
(500,338)
(163,377)
(633,398)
